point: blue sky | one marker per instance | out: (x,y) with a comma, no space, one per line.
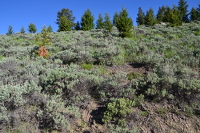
(18,13)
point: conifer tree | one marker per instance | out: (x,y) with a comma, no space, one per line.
(49,29)
(160,14)
(68,14)
(124,24)
(78,26)
(116,15)
(32,28)
(22,30)
(194,14)
(141,16)
(150,18)
(175,17)
(183,8)
(65,24)
(107,22)
(198,10)
(87,20)
(44,28)
(43,39)
(167,14)
(100,24)
(10,31)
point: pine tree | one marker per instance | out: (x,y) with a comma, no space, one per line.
(78,26)
(107,22)
(100,24)
(44,28)
(167,14)
(198,10)
(22,30)
(193,14)
(160,14)
(43,40)
(87,20)
(65,24)
(172,16)
(49,29)
(44,37)
(182,7)
(124,24)
(141,16)
(68,14)
(10,31)
(32,28)
(116,15)
(175,17)
(150,18)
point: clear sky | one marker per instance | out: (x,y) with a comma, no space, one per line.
(18,13)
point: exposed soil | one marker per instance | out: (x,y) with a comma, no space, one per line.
(159,118)
(150,117)
(128,68)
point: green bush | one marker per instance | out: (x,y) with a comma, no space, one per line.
(197,32)
(87,66)
(133,75)
(118,110)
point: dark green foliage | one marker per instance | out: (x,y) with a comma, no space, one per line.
(141,16)
(116,15)
(198,9)
(173,16)
(194,15)
(107,23)
(150,18)
(87,20)
(32,28)
(68,14)
(133,75)
(78,26)
(160,14)
(183,9)
(49,29)
(22,30)
(175,19)
(10,31)
(64,24)
(167,14)
(118,110)
(124,24)
(100,24)
(197,32)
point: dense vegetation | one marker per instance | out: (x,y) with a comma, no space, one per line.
(116,78)
(64,90)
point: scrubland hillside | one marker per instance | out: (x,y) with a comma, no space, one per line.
(97,82)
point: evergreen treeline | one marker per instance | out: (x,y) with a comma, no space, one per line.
(172,16)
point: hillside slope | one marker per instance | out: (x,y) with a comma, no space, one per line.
(94,81)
